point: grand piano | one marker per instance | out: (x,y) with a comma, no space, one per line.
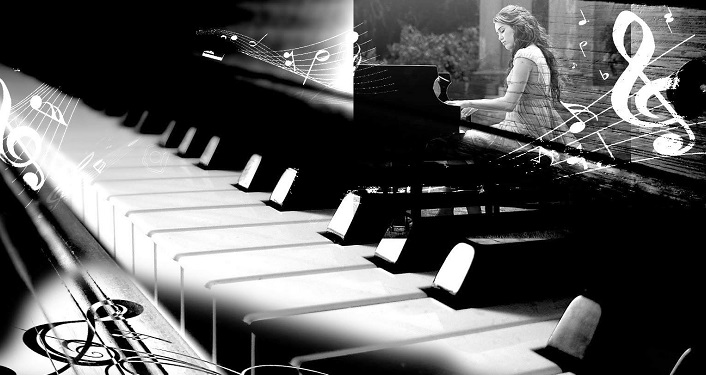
(204,216)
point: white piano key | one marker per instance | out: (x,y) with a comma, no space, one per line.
(104,224)
(196,249)
(211,269)
(476,353)
(124,206)
(395,323)
(173,248)
(211,218)
(202,272)
(228,270)
(71,170)
(146,225)
(282,296)
(239,301)
(514,360)
(138,160)
(109,189)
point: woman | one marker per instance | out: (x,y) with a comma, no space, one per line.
(532,90)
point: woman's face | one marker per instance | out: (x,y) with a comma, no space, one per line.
(506,35)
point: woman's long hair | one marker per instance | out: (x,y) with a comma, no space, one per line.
(529,31)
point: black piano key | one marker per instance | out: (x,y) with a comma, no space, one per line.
(414,244)
(517,267)
(572,338)
(174,133)
(135,116)
(156,122)
(194,142)
(307,188)
(225,153)
(261,173)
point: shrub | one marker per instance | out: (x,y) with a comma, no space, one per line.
(456,52)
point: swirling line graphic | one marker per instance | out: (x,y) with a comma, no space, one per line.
(77,352)
(84,351)
(331,66)
(25,129)
(91,351)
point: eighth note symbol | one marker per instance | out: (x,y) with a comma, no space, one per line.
(581,46)
(36,103)
(668,18)
(290,63)
(584,20)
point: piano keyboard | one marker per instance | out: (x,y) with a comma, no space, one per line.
(237,277)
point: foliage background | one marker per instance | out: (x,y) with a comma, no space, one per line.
(437,32)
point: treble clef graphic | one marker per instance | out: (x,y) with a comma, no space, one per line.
(12,148)
(55,340)
(5,106)
(669,143)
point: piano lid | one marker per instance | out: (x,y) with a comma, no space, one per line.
(403,97)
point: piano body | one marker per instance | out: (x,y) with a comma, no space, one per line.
(163,236)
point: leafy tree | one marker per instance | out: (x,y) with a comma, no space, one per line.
(382,20)
(455,52)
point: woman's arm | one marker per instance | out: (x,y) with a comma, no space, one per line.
(518,80)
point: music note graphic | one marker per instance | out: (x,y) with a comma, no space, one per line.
(584,20)
(253,43)
(212,55)
(579,125)
(353,37)
(357,56)
(85,161)
(317,58)
(668,18)
(99,166)
(668,144)
(290,63)
(603,75)
(581,45)
(36,103)
(340,62)
(13,149)
(541,151)
(573,66)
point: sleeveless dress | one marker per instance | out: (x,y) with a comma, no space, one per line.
(534,114)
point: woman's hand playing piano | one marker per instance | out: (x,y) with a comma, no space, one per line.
(465,110)
(457,103)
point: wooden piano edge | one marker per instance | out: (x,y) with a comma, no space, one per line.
(609,183)
(33,231)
